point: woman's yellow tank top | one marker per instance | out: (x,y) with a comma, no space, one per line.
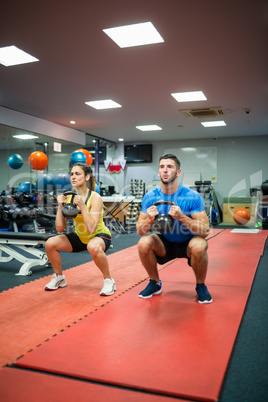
(80,228)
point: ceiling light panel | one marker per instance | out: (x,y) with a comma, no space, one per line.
(25,136)
(12,56)
(219,123)
(103,104)
(149,127)
(134,35)
(192,96)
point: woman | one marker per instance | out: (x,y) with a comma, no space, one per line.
(90,232)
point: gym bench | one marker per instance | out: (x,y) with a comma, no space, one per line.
(13,243)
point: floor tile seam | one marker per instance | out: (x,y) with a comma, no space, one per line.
(115,296)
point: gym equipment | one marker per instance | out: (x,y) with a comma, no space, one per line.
(62,181)
(13,211)
(8,199)
(38,160)
(88,156)
(69,210)
(241,216)
(26,243)
(45,182)
(78,157)
(15,161)
(261,211)
(22,197)
(26,187)
(163,222)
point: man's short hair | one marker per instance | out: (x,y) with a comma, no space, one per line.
(173,157)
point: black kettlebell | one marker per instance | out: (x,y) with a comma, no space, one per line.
(69,210)
(163,222)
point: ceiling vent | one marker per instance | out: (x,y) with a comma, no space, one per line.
(203,113)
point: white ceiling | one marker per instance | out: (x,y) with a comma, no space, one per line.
(217,47)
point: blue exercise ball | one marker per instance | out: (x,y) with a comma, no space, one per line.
(45,182)
(15,161)
(26,187)
(62,181)
(97,188)
(78,157)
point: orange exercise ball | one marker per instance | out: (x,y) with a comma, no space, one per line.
(38,160)
(88,156)
(241,216)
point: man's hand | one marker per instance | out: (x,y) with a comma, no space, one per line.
(175,212)
(152,212)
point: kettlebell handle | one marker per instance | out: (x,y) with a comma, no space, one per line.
(69,192)
(164,202)
(69,210)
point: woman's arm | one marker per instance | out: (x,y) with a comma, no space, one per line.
(60,221)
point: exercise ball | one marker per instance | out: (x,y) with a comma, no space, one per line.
(45,182)
(26,187)
(97,188)
(62,181)
(88,156)
(15,161)
(241,216)
(78,157)
(38,160)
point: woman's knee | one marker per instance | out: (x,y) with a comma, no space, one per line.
(50,244)
(94,248)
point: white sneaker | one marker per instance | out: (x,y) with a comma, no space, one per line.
(108,287)
(57,281)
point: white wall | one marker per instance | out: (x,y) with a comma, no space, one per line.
(242,163)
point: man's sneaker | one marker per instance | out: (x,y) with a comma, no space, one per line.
(203,294)
(108,287)
(57,281)
(153,288)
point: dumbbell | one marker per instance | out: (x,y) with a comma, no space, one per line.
(13,211)
(8,199)
(4,214)
(163,222)
(69,210)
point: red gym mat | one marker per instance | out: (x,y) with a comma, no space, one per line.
(169,344)
(229,241)
(29,315)
(37,387)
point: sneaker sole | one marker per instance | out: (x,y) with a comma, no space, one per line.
(147,297)
(61,286)
(205,301)
(108,294)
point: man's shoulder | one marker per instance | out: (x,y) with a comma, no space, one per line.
(152,195)
(187,191)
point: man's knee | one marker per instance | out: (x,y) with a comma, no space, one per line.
(197,247)
(145,243)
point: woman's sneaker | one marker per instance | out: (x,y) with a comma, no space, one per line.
(203,294)
(57,281)
(108,287)
(153,288)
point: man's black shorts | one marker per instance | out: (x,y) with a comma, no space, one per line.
(173,250)
(78,246)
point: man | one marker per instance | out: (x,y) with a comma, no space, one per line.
(185,240)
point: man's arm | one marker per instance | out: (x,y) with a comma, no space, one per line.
(198,223)
(146,220)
